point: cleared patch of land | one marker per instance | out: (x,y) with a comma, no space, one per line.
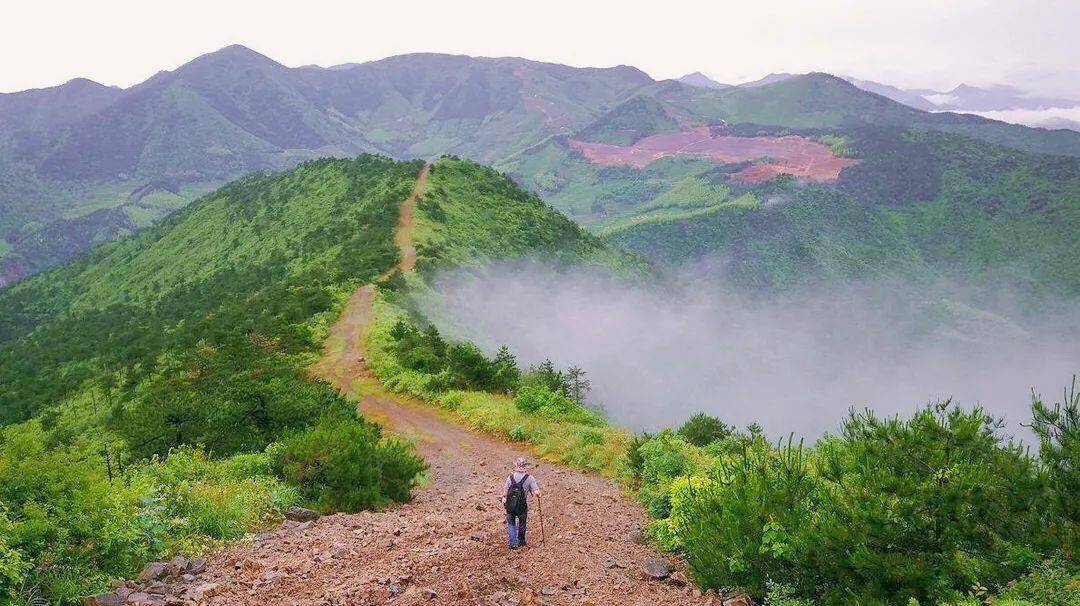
(792,154)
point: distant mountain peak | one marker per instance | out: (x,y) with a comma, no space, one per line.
(84,83)
(232,54)
(701,81)
(771,78)
(826,76)
(238,50)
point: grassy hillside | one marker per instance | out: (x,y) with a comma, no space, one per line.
(919,204)
(967,210)
(169,369)
(471,213)
(637,118)
(165,380)
(70,151)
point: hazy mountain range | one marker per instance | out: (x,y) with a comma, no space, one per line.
(83,163)
(999,101)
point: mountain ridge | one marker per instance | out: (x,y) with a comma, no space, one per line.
(125,158)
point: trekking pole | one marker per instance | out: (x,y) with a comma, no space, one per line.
(540,506)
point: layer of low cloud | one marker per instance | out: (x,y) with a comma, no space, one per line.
(1049,117)
(657,354)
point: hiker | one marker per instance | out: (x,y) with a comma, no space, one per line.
(519,485)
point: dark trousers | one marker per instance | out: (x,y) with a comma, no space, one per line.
(515,529)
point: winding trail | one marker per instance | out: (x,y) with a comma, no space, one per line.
(447,546)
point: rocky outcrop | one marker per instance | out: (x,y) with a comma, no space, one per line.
(301,514)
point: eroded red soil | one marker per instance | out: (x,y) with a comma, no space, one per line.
(792,154)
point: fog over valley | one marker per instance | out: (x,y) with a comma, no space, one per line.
(657,354)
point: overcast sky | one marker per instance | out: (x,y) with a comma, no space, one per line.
(931,43)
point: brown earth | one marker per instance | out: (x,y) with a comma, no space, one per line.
(448,546)
(403,235)
(792,154)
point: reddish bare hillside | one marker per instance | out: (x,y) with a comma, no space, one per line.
(793,155)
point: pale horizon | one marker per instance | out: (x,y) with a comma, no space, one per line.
(912,45)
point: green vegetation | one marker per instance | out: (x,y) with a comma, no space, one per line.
(342,465)
(156,391)
(171,368)
(702,430)
(972,212)
(470,213)
(537,406)
(692,192)
(66,527)
(823,101)
(598,195)
(839,145)
(630,121)
(937,508)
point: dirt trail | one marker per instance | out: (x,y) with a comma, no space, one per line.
(448,546)
(406,223)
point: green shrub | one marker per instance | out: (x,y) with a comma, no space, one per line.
(702,429)
(926,508)
(590,437)
(518,433)
(635,459)
(14,566)
(60,514)
(450,400)
(530,398)
(1058,429)
(664,457)
(199,502)
(459,365)
(538,399)
(343,464)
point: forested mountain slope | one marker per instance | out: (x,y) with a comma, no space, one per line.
(919,206)
(82,163)
(157,393)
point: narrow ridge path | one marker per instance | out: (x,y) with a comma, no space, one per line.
(403,237)
(447,546)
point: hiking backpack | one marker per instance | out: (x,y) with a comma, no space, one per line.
(515,496)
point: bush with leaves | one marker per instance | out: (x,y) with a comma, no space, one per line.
(343,463)
(63,516)
(702,429)
(1052,583)
(749,523)
(458,365)
(536,398)
(664,457)
(206,501)
(929,507)
(66,529)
